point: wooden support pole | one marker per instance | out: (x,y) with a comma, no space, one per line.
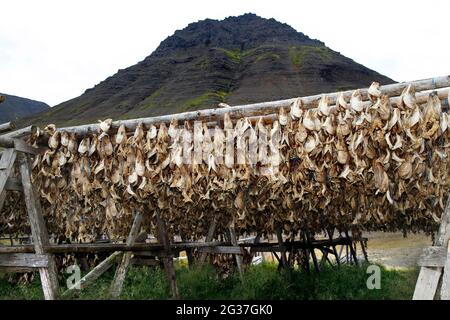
(330,233)
(313,253)
(234,242)
(209,238)
(29,260)
(49,278)
(121,271)
(352,250)
(167,259)
(155,248)
(428,280)
(8,126)
(392,90)
(445,287)
(189,256)
(283,258)
(95,273)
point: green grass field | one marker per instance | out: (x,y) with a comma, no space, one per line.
(259,282)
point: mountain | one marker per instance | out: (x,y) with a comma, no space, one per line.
(237,60)
(13,108)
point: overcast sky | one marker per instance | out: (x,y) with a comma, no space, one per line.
(52,50)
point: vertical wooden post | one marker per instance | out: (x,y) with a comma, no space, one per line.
(445,288)
(49,278)
(209,238)
(428,280)
(330,237)
(234,242)
(121,271)
(313,253)
(167,259)
(283,249)
(352,250)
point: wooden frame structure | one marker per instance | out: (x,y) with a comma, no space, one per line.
(435,264)
(435,261)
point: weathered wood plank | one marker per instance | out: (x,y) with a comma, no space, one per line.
(428,280)
(168,260)
(445,288)
(209,238)
(7,163)
(155,248)
(48,275)
(222,250)
(22,146)
(283,257)
(427,283)
(265,107)
(433,256)
(16,269)
(234,242)
(95,273)
(24,260)
(5,160)
(121,271)
(7,126)
(2,199)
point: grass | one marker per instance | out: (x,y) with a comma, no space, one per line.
(259,282)
(237,55)
(299,55)
(203,99)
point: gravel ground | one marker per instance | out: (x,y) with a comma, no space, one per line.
(395,251)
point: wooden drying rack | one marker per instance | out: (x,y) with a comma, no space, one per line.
(435,261)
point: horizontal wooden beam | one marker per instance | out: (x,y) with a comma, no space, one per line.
(24,260)
(8,126)
(434,256)
(16,269)
(107,247)
(24,132)
(222,250)
(261,108)
(157,249)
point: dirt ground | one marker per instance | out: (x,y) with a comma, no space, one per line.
(395,251)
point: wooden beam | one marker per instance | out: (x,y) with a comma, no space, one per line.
(2,199)
(283,257)
(24,147)
(8,126)
(30,260)
(168,259)
(95,273)
(428,280)
(445,288)
(221,250)
(20,133)
(48,275)
(121,271)
(6,165)
(16,269)
(155,248)
(433,256)
(209,238)
(260,108)
(234,242)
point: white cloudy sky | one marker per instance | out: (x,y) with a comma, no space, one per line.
(52,50)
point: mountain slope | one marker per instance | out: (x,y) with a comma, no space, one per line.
(13,108)
(237,60)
